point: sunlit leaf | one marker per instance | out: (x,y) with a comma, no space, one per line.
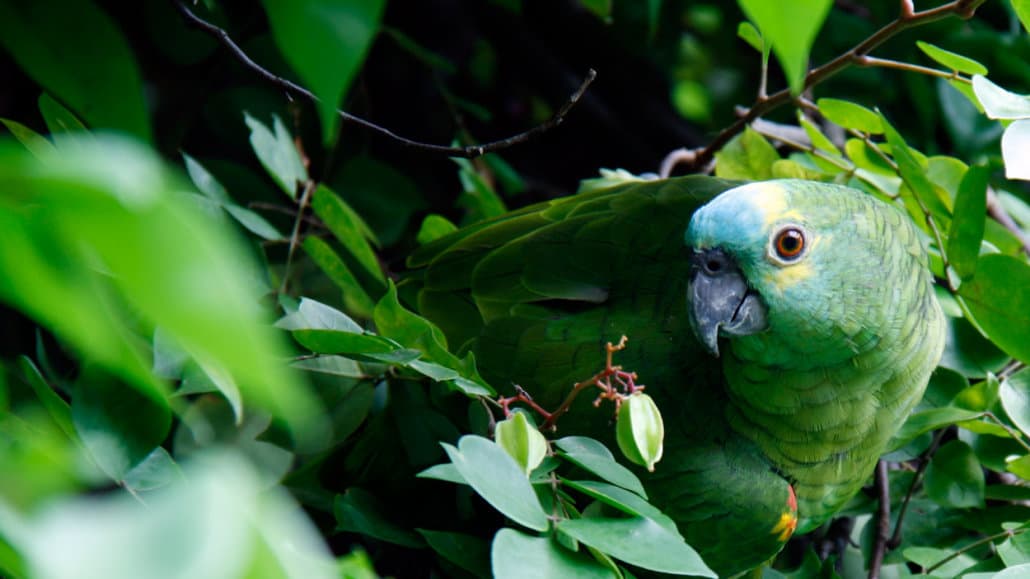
(999,103)
(593,456)
(967,227)
(746,156)
(278,154)
(954,61)
(790,26)
(998,296)
(850,115)
(1015,150)
(1015,399)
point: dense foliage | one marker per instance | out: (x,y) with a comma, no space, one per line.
(210,366)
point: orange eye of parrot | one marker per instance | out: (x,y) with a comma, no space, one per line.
(789,243)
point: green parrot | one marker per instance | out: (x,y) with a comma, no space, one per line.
(785,329)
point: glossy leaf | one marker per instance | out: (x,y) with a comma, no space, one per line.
(930,557)
(1015,150)
(749,34)
(638,541)
(998,296)
(497,478)
(1015,399)
(325,41)
(790,27)
(927,420)
(57,48)
(591,455)
(954,61)
(355,298)
(621,499)
(999,103)
(967,227)
(1022,9)
(819,140)
(278,154)
(850,115)
(954,477)
(434,227)
(349,230)
(516,555)
(746,156)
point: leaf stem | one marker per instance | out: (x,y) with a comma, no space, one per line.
(1002,535)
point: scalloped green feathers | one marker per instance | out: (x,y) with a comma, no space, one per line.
(787,425)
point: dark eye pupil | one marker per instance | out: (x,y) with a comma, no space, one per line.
(789,243)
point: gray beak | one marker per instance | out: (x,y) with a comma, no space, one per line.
(720,301)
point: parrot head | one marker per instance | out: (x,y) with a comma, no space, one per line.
(791,268)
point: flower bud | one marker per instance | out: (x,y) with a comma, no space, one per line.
(521,439)
(639,430)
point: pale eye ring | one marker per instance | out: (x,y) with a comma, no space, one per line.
(788,244)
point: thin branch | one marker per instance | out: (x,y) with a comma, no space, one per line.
(1011,431)
(1002,535)
(468,151)
(883,520)
(924,462)
(905,20)
(871,61)
(295,234)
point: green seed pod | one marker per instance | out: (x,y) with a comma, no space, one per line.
(639,430)
(520,438)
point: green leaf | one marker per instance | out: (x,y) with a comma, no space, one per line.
(58,409)
(914,175)
(469,552)
(1019,571)
(155,472)
(998,296)
(206,182)
(618,497)
(955,478)
(278,154)
(746,156)
(313,315)
(516,555)
(208,185)
(1022,8)
(592,456)
(790,26)
(410,329)
(253,222)
(1015,399)
(81,57)
(1020,467)
(928,420)
(349,230)
(967,228)
(498,479)
(359,511)
(382,194)
(62,124)
(819,140)
(118,426)
(954,61)
(1015,150)
(434,227)
(850,115)
(749,34)
(928,556)
(999,103)
(478,196)
(325,41)
(651,546)
(36,143)
(968,352)
(217,521)
(355,298)
(446,472)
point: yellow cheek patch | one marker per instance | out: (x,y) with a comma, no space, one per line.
(785,527)
(786,275)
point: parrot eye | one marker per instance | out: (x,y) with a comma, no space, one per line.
(789,243)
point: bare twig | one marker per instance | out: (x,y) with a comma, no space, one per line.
(295,234)
(883,520)
(924,462)
(468,151)
(1002,535)
(908,18)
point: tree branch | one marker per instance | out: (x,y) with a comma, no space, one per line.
(467,151)
(905,20)
(883,520)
